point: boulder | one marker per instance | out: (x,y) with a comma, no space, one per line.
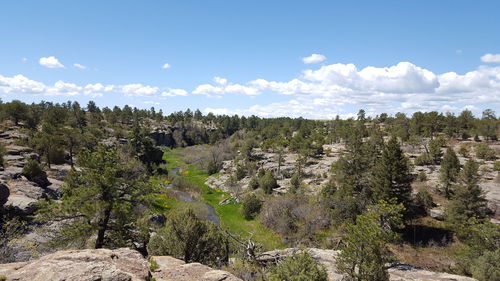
(11,172)
(437,214)
(172,269)
(81,265)
(17,150)
(397,272)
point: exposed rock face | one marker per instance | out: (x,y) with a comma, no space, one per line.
(81,265)
(108,265)
(399,272)
(171,269)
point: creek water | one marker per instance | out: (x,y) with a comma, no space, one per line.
(188,197)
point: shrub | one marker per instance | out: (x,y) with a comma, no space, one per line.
(299,267)
(188,238)
(423,201)
(2,154)
(496,166)
(33,171)
(253,183)
(212,167)
(483,151)
(423,160)
(463,151)
(295,182)
(487,266)
(251,206)
(422,176)
(268,182)
(240,172)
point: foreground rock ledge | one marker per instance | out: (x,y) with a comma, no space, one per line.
(108,265)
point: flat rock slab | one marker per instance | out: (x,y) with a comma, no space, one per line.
(172,269)
(81,265)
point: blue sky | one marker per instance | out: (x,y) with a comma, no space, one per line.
(248,57)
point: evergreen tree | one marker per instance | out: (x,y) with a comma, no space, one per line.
(268,182)
(435,151)
(299,267)
(100,199)
(391,175)
(468,202)
(450,167)
(365,253)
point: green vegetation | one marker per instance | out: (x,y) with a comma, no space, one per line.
(230,214)
(365,253)
(299,267)
(191,239)
(251,206)
(450,167)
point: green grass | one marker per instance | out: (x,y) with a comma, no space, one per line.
(230,214)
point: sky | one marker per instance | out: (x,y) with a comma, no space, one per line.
(315,59)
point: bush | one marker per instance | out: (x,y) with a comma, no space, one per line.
(33,171)
(188,238)
(487,266)
(212,167)
(299,267)
(422,176)
(2,154)
(463,151)
(251,206)
(423,160)
(295,182)
(268,182)
(253,183)
(423,201)
(483,151)
(240,172)
(496,166)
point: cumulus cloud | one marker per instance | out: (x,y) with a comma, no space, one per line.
(50,62)
(139,90)
(77,65)
(224,87)
(314,58)
(166,66)
(343,89)
(491,58)
(174,93)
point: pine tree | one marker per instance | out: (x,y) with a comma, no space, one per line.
(365,253)
(468,202)
(391,175)
(100,199)
(450,167)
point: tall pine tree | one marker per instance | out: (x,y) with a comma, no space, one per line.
(391,175)
(468,202)
(450,167)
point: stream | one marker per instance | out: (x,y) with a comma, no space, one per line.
(185,196)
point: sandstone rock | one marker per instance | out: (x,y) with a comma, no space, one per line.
(20,204)
(17,150)
(398,272)
(171,269)
(437,214)
(11,172)
(81,265)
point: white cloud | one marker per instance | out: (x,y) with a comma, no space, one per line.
(491,58)
(224,87)
(50,62)
(314,58)
(174,93)
(24,59)
(166,66)
(77,65)
(151,102)
(139,90)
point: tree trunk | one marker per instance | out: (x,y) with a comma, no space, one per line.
(102,227)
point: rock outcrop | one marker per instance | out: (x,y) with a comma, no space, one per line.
(171,269)
(109,265)
(81,265)
(397,272)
